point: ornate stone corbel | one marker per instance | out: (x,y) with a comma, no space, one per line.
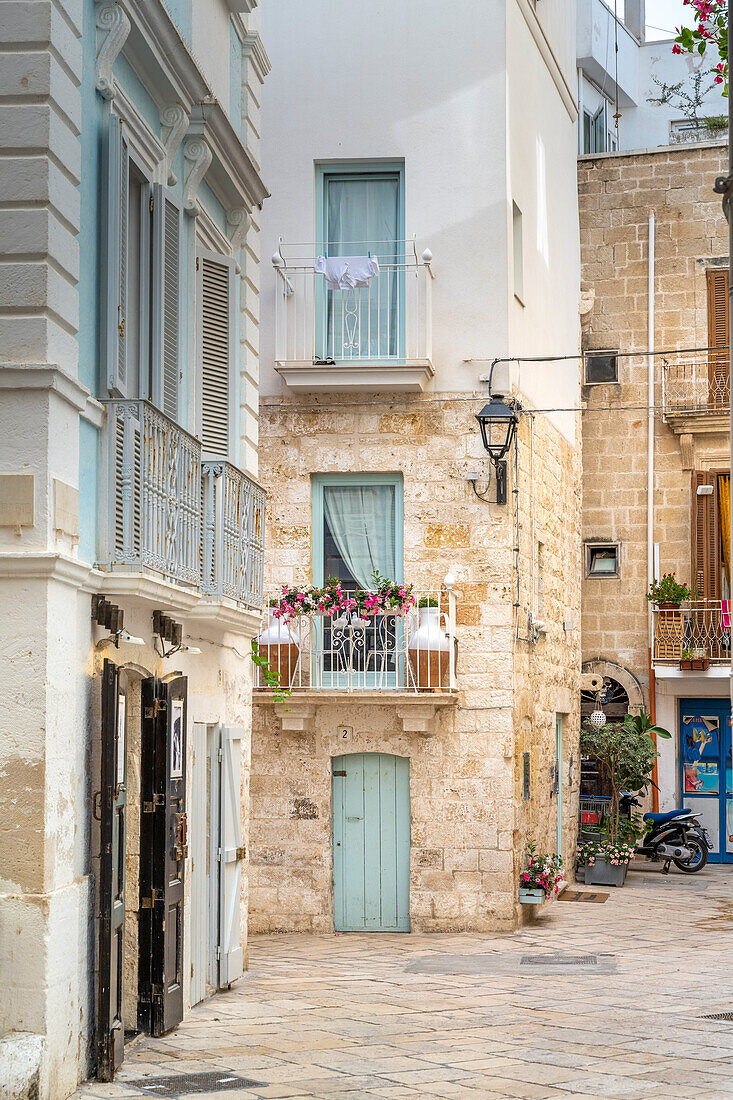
(239,222)
(174,121)
(687,450)
(198,157)
(113,27)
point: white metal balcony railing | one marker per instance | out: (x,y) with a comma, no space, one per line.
(698,630)
(414,652)
(695,382)
(160,520)
(389,321)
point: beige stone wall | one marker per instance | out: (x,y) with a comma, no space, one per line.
(468,818)
(617,195)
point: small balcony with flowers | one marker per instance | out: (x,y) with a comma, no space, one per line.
(690,637)
(392,644)
(354,323)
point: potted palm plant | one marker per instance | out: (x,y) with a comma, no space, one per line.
(626,752)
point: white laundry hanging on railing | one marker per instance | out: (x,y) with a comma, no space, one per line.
(347,272)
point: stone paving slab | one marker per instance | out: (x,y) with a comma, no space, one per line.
(458,1016)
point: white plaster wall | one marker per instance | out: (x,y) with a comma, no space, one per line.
(385,81)
(647,125)
(210,44)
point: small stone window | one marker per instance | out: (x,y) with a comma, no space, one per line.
(601,367)
(602,560)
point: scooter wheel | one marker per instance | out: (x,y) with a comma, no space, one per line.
(697,860)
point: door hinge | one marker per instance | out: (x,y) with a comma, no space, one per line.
(218,953)
(218,855)
(157,707)
(220,754)
(339,773)
(150,807)
(155,895)
(240,853)
(197,263)
(151,204)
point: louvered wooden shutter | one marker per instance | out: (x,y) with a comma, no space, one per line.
(217,354)
(718,335)
(706,556)
(167,274)
(115,259)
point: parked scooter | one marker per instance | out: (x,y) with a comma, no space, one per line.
(675,837)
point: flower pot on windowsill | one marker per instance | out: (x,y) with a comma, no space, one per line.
(668,606)
(531,897)
(603,873)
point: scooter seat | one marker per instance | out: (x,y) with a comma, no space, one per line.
(660,819)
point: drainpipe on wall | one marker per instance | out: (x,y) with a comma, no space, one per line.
(650,485)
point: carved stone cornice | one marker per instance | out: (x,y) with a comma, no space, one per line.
(113,27)
(233,175)
(174,123)
(254,52)
(239,222)
(197,156)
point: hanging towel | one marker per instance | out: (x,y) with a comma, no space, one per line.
(346,272)
(725,614)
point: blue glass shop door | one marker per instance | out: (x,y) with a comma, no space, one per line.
(706,773)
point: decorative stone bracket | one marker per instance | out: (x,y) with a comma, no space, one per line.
(296,715)
(113,27)
(239,222)
(418,719)
(197,155)
(174,121)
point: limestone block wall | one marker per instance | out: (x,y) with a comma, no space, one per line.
(617,192)
(469,822)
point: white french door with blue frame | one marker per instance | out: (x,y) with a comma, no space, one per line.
(371,843)
(357,533)
(705,770)
(360,212)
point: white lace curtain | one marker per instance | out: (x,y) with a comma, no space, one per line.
(362,521)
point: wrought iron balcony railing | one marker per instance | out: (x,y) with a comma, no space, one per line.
(364,652)
(698,631)
(388,322)
(160,521)
(695,382)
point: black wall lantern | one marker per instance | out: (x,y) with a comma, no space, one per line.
(498,424)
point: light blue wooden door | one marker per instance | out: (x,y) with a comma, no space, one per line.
(371,843)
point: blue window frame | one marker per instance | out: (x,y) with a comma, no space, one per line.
(360,210)
(358,524)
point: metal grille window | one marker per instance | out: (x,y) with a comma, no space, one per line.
(601,366)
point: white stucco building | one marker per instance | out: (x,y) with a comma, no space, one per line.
(130,523)
(620,73)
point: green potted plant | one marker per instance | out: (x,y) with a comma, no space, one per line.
(626,753)
(694,659)
(541,877)
(668,593)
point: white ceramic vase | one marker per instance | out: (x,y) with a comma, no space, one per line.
(278,645)
(429,649)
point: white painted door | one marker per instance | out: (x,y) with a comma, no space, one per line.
(231,850)
(198,835)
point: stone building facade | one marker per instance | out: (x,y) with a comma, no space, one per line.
(618,194)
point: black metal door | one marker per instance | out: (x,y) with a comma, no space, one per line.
(110,807)
(163,850)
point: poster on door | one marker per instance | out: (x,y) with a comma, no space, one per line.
(177,739)
(701,754)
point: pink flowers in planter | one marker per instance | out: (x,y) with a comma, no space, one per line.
(331,600)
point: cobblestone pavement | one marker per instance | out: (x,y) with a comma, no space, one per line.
(474,1015)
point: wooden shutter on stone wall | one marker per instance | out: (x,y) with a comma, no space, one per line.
(217,355)
(706,559)
(718,334)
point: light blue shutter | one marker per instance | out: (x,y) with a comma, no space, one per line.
(217,355)
(115,260)
(231,956)
(166,308)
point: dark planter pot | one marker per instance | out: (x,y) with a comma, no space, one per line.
(668,606)
(602,873)
(696,664)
